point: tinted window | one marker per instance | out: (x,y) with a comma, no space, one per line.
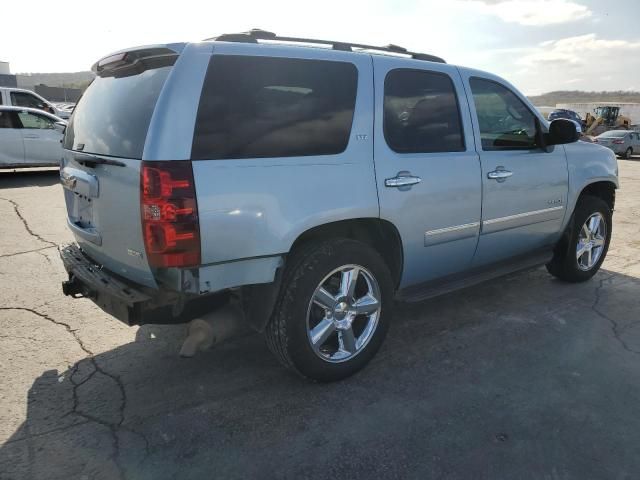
(7,120)
(21,99)
(113,115)
(30,120)
(505,121)
(256,107)
(421,113)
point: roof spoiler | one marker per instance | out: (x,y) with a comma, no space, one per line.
(134,61)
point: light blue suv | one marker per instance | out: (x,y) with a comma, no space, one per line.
(316,182)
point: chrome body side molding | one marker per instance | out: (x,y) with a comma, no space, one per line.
(448,234)
(521,219)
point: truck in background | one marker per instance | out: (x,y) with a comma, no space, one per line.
(18,97)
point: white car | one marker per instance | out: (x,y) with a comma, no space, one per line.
(18,97)
(29,138)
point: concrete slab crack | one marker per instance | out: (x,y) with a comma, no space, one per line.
(615,328)
(47,432)
(16,208)
(28,251)
(113,427)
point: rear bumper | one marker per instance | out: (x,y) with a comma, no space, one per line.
(130,303)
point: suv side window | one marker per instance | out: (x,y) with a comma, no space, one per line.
(421,112)
(505,121)
(31,120)
(259,107)
(21,99)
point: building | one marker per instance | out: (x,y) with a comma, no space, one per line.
(6,79)
(58,94)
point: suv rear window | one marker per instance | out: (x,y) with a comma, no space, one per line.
(113,115)
(259,107)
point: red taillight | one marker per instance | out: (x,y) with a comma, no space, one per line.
(618,142)
(170,214)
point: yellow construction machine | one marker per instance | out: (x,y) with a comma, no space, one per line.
(605,118)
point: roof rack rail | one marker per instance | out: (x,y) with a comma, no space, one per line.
(252,36)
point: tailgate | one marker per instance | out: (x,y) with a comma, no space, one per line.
(103,212)
(103,148)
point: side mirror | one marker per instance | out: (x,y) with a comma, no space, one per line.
(60,126)
(562,131)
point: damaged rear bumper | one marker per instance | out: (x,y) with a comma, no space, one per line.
(129,303)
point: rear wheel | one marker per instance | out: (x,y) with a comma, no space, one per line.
(334,309)
(579,256)
(627,154)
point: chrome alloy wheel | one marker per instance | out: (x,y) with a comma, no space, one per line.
(591,241)
(343,313)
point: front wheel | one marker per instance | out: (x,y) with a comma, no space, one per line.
(579,256)
(333,311)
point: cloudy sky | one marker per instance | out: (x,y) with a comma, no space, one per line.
(540,45)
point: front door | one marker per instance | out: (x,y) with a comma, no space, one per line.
(11,146)
(524,186)
(427,169)
(41,139)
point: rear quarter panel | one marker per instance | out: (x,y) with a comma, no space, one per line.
(258,207)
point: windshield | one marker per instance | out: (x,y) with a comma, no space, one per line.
(113,115)
(554,115)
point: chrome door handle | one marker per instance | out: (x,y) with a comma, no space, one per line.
(403,179)
(500,174)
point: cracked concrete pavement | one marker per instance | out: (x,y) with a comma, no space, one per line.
(521,377)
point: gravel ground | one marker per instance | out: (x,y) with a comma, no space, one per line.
(522,377)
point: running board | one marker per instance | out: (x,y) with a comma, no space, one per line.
(457,281)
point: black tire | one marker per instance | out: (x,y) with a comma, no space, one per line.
(287,331)
(628,153)
(564,264)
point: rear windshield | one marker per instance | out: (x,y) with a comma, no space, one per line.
(113,115)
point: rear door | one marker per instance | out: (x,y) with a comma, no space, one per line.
(524,187)
(11,146)
(103,150)
(427,169)
(41,139)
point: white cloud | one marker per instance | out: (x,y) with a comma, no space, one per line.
(534,12)
(584,62)
(579,51)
